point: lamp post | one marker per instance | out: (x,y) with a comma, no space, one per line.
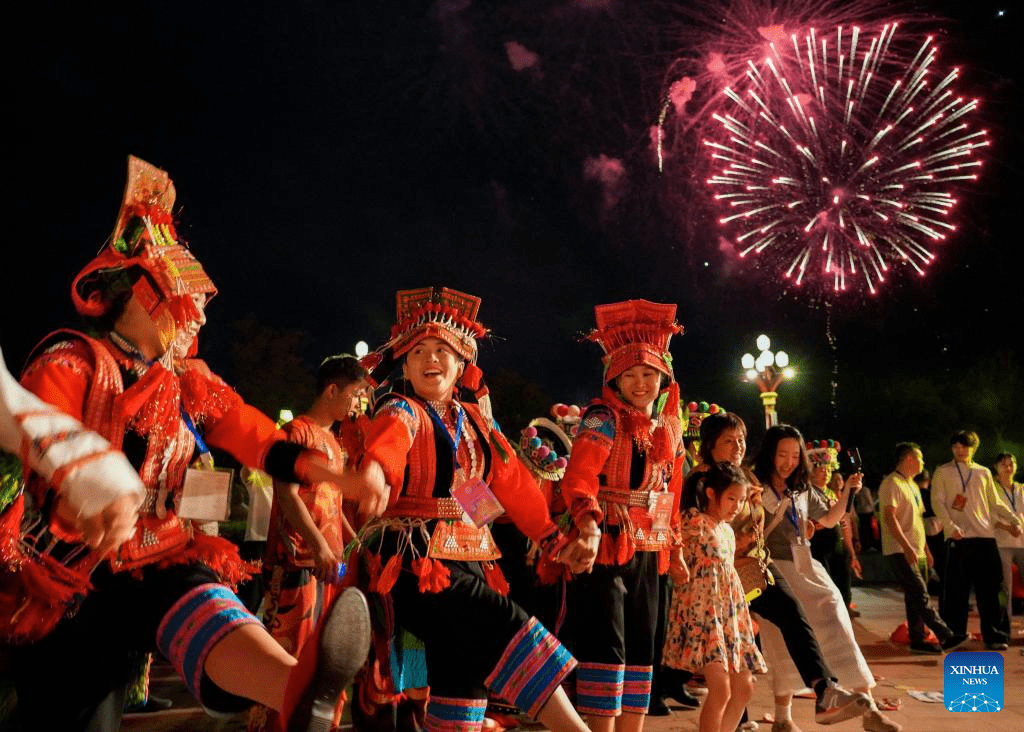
(767,371)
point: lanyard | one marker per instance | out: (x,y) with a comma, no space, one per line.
(204,451)
(963,482)
(453,443)
(793,515)
(1011,495)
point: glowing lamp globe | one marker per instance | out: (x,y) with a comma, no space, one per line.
(747,361)
(782,359)
(763,342)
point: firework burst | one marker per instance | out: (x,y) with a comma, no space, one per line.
(838,157)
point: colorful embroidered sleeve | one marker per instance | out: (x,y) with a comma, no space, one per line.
(389,439)
(590,451)
(519,494)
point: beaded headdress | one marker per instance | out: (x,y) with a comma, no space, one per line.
(144,237)
(437,312)
(545,446)
(696,412)
(635,332)
(824,453)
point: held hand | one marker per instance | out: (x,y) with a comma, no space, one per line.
(810,529)
(325,563)
(957,534)
(374,491)
(1015,530)
(856,568)
(911,556)
(108,529)
(581,553)
(854,483)
(677,568)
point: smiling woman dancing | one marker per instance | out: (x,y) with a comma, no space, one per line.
(624,476)
(431,555)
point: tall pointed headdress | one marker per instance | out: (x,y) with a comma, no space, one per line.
(143,236)
(633,333)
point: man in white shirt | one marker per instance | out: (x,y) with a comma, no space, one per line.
(906,551)
(965,500)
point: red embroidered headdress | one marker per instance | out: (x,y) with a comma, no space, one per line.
(143,236)
(635,332)
(438,312)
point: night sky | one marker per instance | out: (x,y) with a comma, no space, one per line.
(327,154)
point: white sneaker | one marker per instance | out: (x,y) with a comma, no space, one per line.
(838,704)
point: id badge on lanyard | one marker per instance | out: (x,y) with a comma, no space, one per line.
(661,511)
(960,499)
(206,493)
(479,504)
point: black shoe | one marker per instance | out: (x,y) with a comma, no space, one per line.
(684,698)
(658,708)
(955,641)
(932,649)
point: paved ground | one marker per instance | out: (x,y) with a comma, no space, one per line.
(897,671)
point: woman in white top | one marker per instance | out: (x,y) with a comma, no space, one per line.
(1009,539)
(782,466)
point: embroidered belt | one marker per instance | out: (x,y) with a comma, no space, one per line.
(626,498)
(425,508)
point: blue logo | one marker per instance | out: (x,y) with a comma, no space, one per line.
(973,682)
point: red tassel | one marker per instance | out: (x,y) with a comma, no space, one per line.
(373,570)
(624,548)
(421,568)
(663,561)
(495,578)
(440,577)
(605,550)
(472,376)
(389,576)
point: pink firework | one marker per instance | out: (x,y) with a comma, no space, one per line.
(838,156)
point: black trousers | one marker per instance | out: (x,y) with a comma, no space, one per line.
(832,555)
(913,580)
(973,563)
(779,606)
(465,628)
(615,611)
(74,679)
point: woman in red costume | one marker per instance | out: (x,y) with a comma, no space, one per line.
(622,485)
(431,555)
(78,616)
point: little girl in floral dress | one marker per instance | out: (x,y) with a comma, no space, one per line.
(709,628)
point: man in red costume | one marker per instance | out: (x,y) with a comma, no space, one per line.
(79,615)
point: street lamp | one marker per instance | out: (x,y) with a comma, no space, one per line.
(767,371)
(362,349)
